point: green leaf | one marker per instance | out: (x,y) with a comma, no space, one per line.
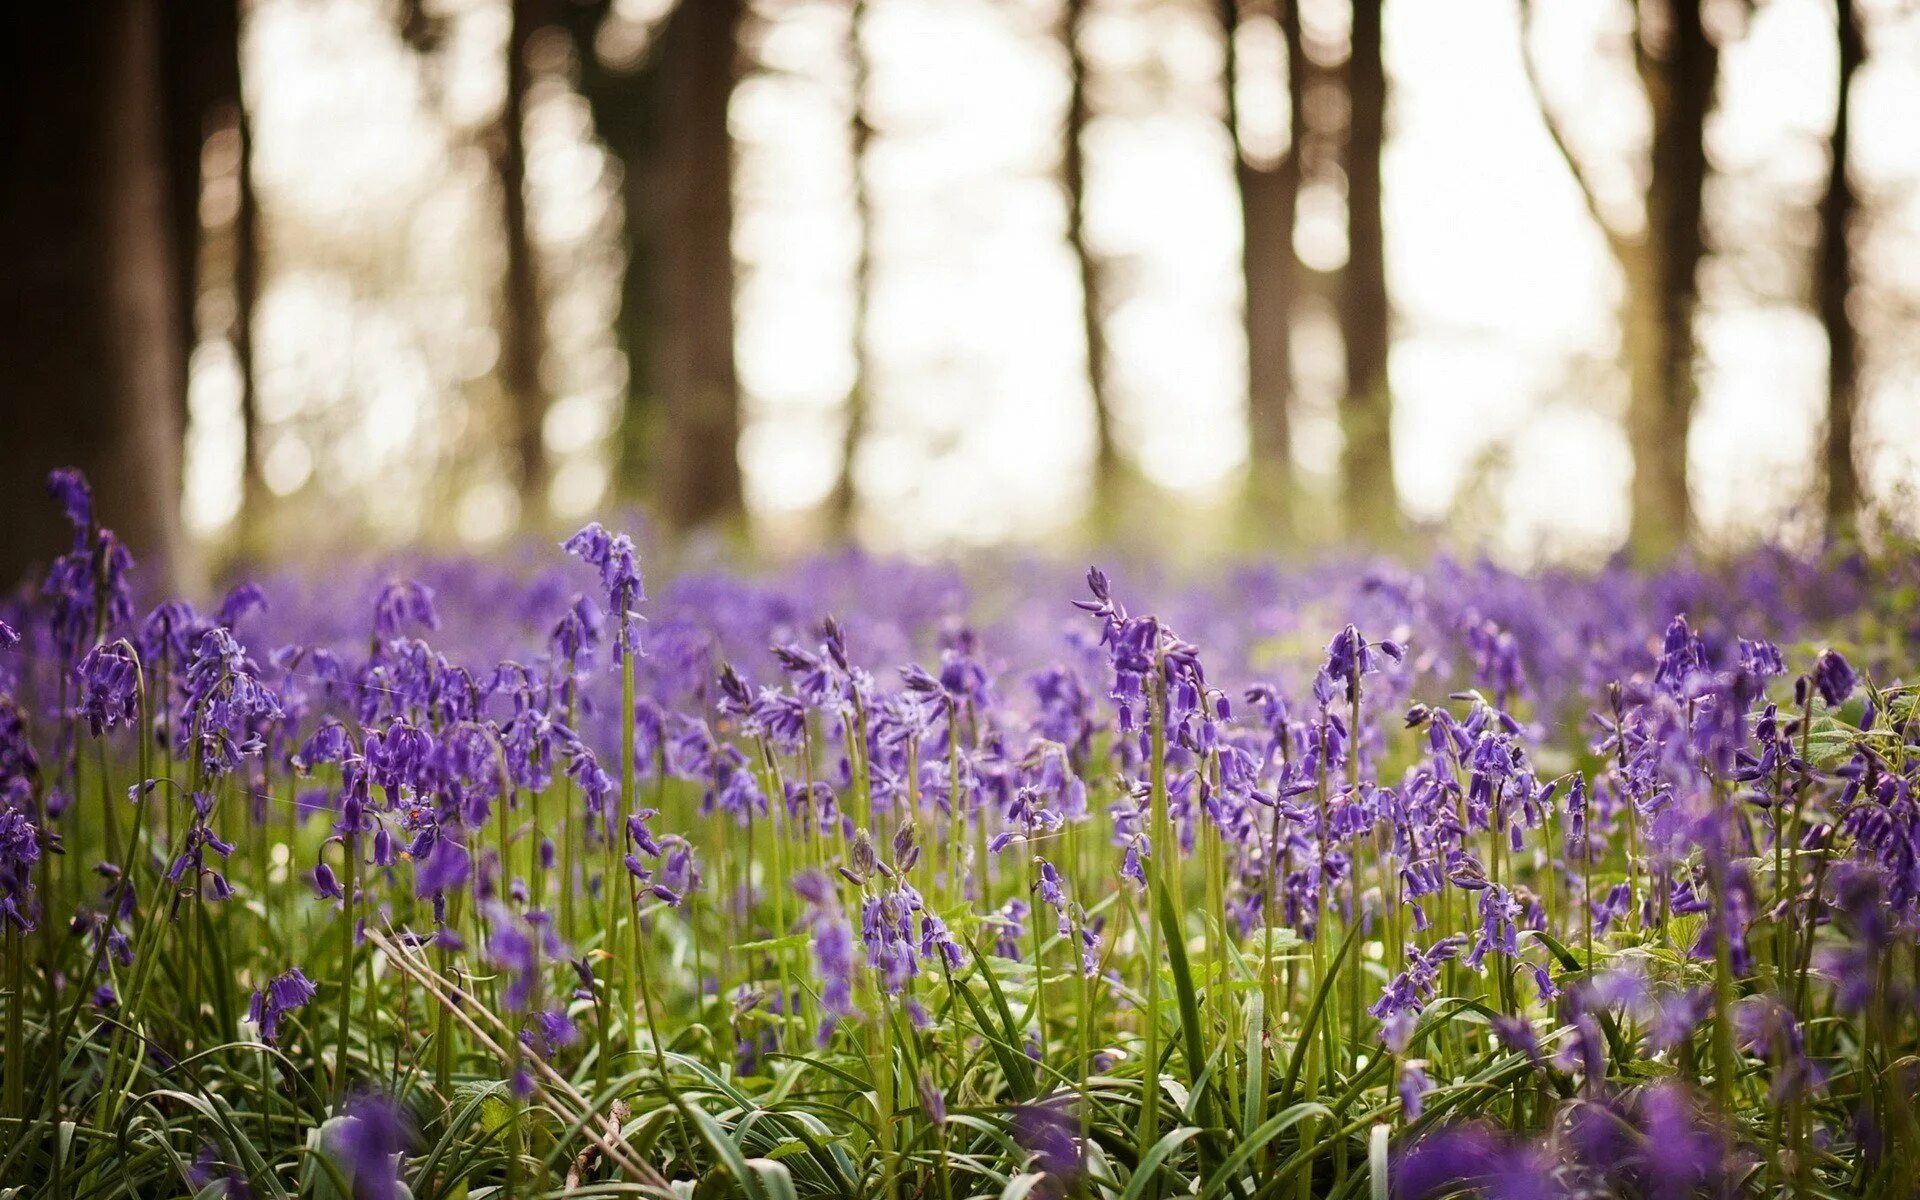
(1189,1003)
(1256,1064)
(1225,1173)
(731,1160)
(1314,1011)
(1014,1063)
(1142,1180)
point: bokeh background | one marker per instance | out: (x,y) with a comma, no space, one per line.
(1555,280)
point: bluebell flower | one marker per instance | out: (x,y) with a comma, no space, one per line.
(109,677)
(1834,678)
(19,851)
(1049,1134)
(619,566)
(404,605)
(284,993)
(1350,655)
(369,1140)
(445,868)
(325,884)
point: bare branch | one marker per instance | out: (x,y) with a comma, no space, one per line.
(1617,241)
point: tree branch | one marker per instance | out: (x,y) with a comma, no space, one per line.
(1617,241)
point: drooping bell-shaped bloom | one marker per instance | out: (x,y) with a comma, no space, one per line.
(284,993)
(403,606)
(1834,678)
(19,851)
(619,566)
(109,686)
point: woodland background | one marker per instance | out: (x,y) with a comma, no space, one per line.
(286,276)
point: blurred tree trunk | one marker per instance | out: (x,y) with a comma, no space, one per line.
(90,301)
(1269,201)
(1366,409)
(699,446)
(246,300)
(844,500)
(202,74)
(1107,466)
(1833,286)
(521,311)
(665,119)
(1678,64)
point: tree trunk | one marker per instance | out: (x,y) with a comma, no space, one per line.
(1678,65)
(622,104)
(665,120)
(844,499)
(1366,409)
(1833,286)
(521,311)
(699,463)
(205,97)
(1073,177)
(1269,200)
(246,301)
(89,301)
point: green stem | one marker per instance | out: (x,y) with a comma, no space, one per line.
(1162,845)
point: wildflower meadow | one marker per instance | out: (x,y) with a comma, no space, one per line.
(521,876)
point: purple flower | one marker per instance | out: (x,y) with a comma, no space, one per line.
(1350,655)
(1410,990)
(548,1032)
(833,956)
(109,686)
(283,994)
(403,604)
(325,884)
(933,1103)
(1049,1133)
(209,1168)
(1833,678)
(833,948)
(444,869)
(1413,1087)
(619,566)
(70,489)
(368,1141)
(1472,1156)
(19,851)
(244,598)
(226,703)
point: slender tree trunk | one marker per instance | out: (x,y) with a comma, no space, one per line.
(90,315)
(1366,410)
(1833,286)
(208,97)
(697,62)
(1073,174)
(1269,201)
(844,500)
(246,301)
(521,311)
(625,107)
(1678,64)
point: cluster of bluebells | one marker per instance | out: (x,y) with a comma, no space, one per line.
(1488,775)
